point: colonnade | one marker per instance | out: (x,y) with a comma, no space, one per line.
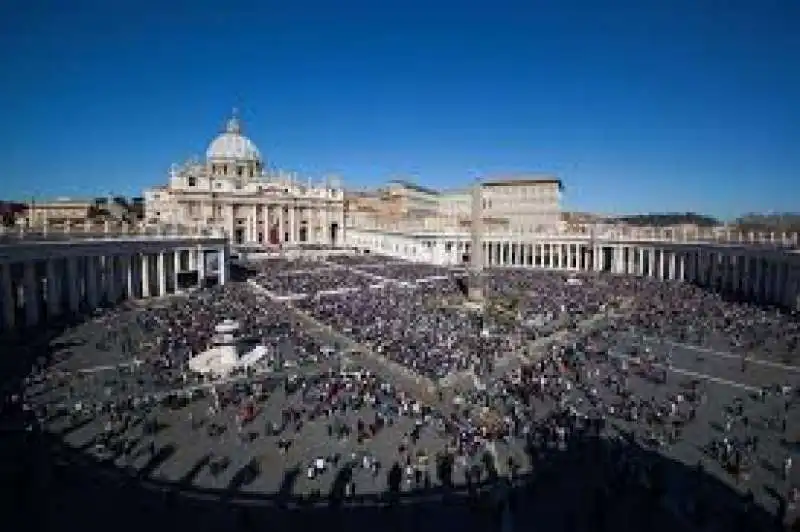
(61,280)
(763,273)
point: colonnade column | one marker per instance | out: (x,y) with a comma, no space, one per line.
(747,283)
(145,275)
(222,266)
(127,269)
(91,282)
(631,260)
(53,289)
(162,275)
(111,289)
(201,266)
(72,285)
(176,267)
(619,260)
(673,263)
(7,296)
(32,293)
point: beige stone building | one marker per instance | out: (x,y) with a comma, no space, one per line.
(232,191)
(516,205)
(57,212)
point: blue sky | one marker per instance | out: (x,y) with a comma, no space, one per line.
(657,105)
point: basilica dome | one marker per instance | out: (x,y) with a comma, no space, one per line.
(232,145)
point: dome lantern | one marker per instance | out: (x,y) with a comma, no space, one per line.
(234,125)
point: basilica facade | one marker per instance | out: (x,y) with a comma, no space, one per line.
(233,193)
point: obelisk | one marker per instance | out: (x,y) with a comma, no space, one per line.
(475,288)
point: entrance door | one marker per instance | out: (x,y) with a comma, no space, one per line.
(273,235)
(334,233)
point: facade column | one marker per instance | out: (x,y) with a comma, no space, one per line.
(651,262)
(315,222)
(32,293)
(72,285)
(340,234)
(292,229)
(53,289)
(231,221)
(281,232)
(8,298)
(145,275)
(253,224)
(162,274)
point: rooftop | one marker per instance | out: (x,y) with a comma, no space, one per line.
(522,181)
(414,186)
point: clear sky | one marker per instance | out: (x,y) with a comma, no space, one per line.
(637,105)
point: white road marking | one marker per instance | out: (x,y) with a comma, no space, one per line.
(710,378)
(723,354)
(720,354)
(697,375)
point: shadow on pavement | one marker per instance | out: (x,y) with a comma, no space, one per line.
(593,484)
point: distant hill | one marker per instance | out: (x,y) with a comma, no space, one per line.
(666,219)
(581,217)
(783,222)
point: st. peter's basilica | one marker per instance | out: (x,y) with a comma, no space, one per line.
(232,191)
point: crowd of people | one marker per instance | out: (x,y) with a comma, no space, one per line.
(584,382)
(311,282)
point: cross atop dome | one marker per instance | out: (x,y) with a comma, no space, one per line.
(234,125)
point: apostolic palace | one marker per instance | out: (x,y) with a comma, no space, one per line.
(233,200)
